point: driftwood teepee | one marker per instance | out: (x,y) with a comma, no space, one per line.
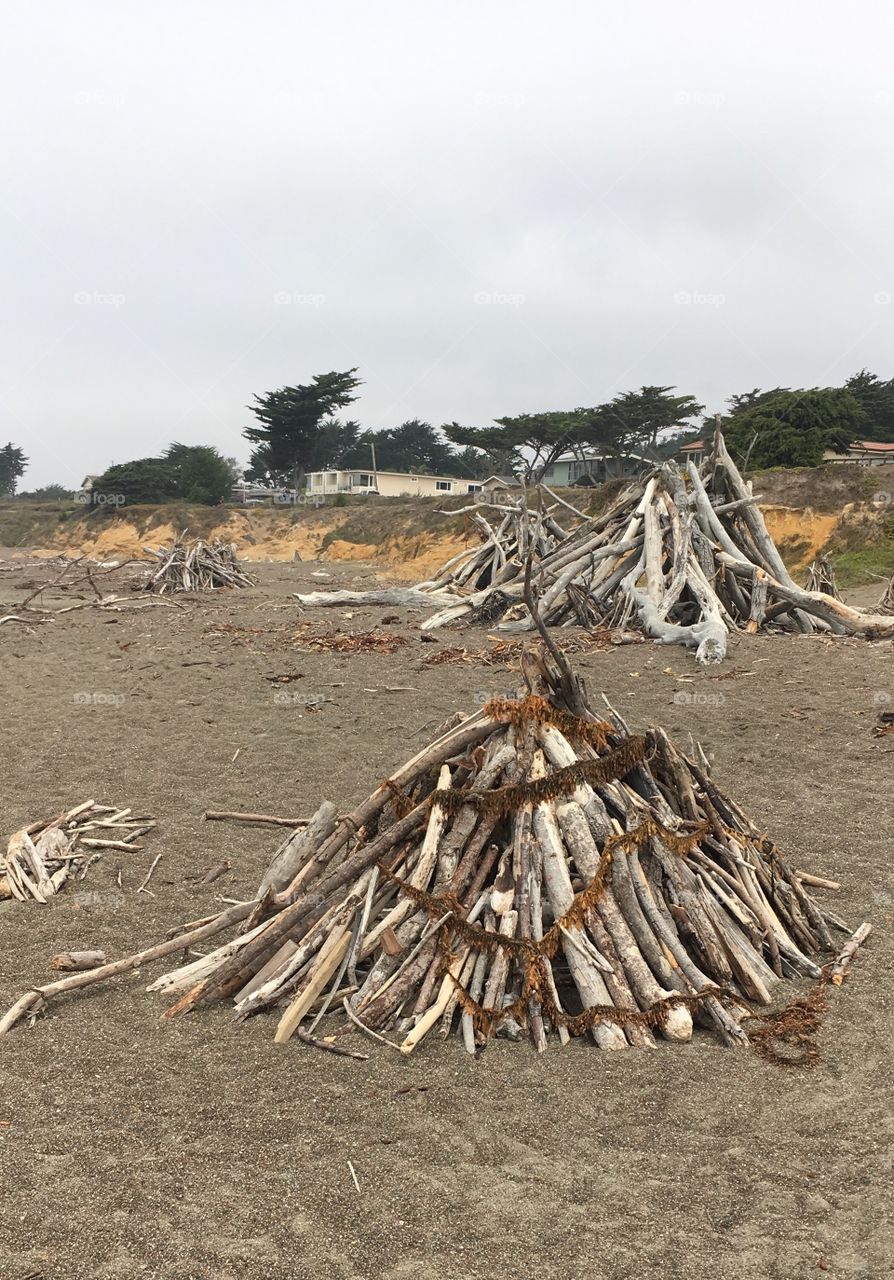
(538,869)
(194,565)
(821,577)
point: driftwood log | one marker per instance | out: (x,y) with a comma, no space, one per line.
(77,961)
(537,868)
(269,819)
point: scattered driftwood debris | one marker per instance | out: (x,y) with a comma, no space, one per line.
(194,565)
(538,869)
(885,725)
(87,584)
(505,653)
(821,577)
(264,636)
(41,858)
(686,556)
(886,603)
(305,637)
(351,642)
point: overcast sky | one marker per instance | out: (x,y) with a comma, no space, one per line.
(487,207)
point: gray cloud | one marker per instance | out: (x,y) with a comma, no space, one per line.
(488,209)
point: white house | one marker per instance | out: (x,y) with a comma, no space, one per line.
(591,466)
(84,495)
(387,484)
(500,484)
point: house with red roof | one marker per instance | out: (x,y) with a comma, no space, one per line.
(867,453)
(694,450)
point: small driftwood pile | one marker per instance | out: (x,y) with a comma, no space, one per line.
(536,869)
(886,603)
(194,565)
(686,556)
(41,858)
(821,577)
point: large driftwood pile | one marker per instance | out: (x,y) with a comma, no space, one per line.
(537,869)
(194,565)
(684,555)
(42,857)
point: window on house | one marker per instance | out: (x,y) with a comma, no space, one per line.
(444,485)
(576,470)
(364,480)
(474,488)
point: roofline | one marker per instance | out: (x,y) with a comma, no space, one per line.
(863,446)
(379,471)
(594,455)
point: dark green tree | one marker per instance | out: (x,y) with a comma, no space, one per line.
(414,446)
(339,440)
(147,480)
(532,440)
(418,446)
(200,473)
(474,464)
(498,458)
(47,493)
(876,399)
(632,423)
(751,399)
(12,467)
(184,472)
(791,428)
(295,434)
(638,422)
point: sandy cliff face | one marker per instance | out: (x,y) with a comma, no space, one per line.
(410,540)
(258,535)
(801,532)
